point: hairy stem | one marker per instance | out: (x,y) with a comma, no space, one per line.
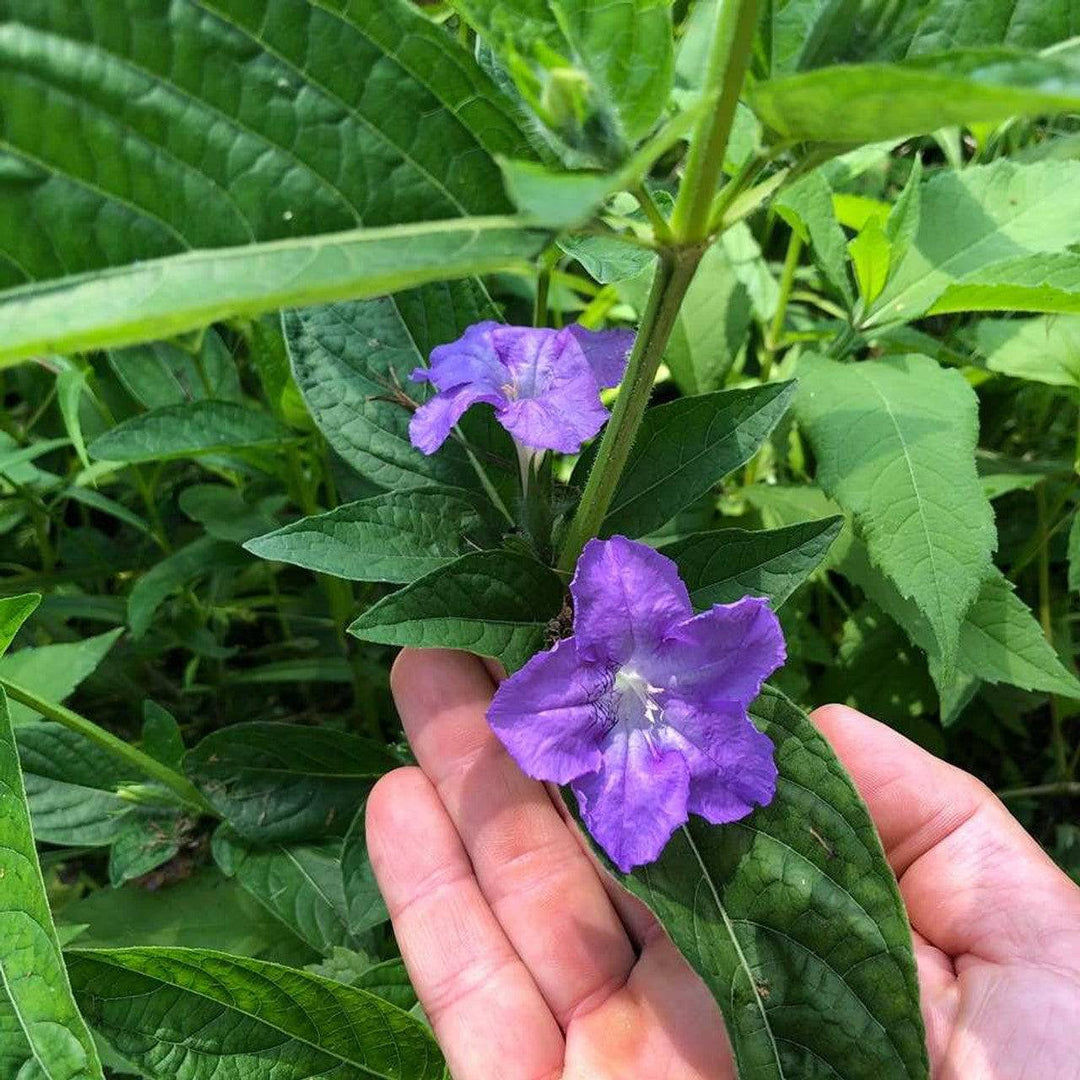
(143,763)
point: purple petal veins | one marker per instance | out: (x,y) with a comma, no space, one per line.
(643,710)
(543,384)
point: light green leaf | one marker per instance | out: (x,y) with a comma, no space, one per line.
(366,907)
(685,448)
(162,374)
(1045,350)
(42,1034)
(493,603)
(168,296)
(14,611)
(396,537)
(894,440)
(863,103)
(54,671)
(300,884)
(1033,24)
(608,258)
(13,457)
(808,208)
(798,894)
(871,255)
(351,362)
(188,430)
(278,783)
(724,565)
(70,385)
(1049,283)
(971,220)
(171,1010)
(902,224)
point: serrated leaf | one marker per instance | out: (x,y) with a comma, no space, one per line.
(14,611)
(41,1031)
(493,603)
(396,537)
(348,359)
(1045,350)
(684,449)
(864,103)
(366,907)
(54,671)
(971,220)
(1049,283)
(284,782)
(724,565)
(894,440)
(171,1010)
(798,894)
(300,884)
(188,430)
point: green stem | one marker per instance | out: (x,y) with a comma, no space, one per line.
(485,480)
(661,229)
(1068,787)
(776,326)
(543,285)
(145,764)
(733,40)
(674,272)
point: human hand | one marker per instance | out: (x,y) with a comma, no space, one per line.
(532,964)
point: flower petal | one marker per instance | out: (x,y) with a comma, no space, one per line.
(627,597)
(551,716)
(471,359)
(721,656)
(432,422)
(607,352)
(732,766)
(636,800)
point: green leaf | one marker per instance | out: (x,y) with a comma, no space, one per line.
(608,258)
(971,220)
(894,440)
(188,430)
(390,981)
(1074,554)
(865,103)
(170,1011)
(902,224)
(147,839)
(70,384)
(396,537)
(1045,350)
(161,373)
(724,565)
(1049,283)
(54,671)
(169,296)
(14,611)
(41,1031)
(1033,24)
(350,362)
(797,895)
(493,603)
(225,513)
(871,255)
(366,908)
(598,75)
(275,783)
(300,884)
(685,448)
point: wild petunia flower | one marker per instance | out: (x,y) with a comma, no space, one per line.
(544,384)
(643,710)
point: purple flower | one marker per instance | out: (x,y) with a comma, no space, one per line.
(643,711)
(544,384)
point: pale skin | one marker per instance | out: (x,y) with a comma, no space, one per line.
(533,965)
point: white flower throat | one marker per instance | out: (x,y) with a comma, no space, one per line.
(633,688)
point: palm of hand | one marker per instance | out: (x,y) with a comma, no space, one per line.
(532,965)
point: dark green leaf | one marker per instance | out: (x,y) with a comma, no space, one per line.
(163,374)
(794,920)
(493,603)
(685,448)
(41,1031)
(390,981)
(171,1011)
(161,737)
(724,565)
(147,839)
(396,537)
(283,782)
(226,514)
(1033,24)
(14,611)
(366,908)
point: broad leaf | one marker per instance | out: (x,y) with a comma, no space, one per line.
(493,603)
(225,512)
(1049,283)
(396,537)
(366,908)
(164,374)
(971,220)
(1045,350)
(148,839)
(863,103)
(894,440)
(171,1011)
(1032,24)
(352,360)
(54,671)
(14,611)
(724,565)
(300,884)
(283,782)
(685,448)
(390,981)
(797,895)
(41,1031)
(807,206)
(188,430)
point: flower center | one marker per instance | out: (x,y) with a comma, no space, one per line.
(634,689)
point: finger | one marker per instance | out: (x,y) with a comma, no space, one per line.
(484,1006)
(972,879)
(542,888)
